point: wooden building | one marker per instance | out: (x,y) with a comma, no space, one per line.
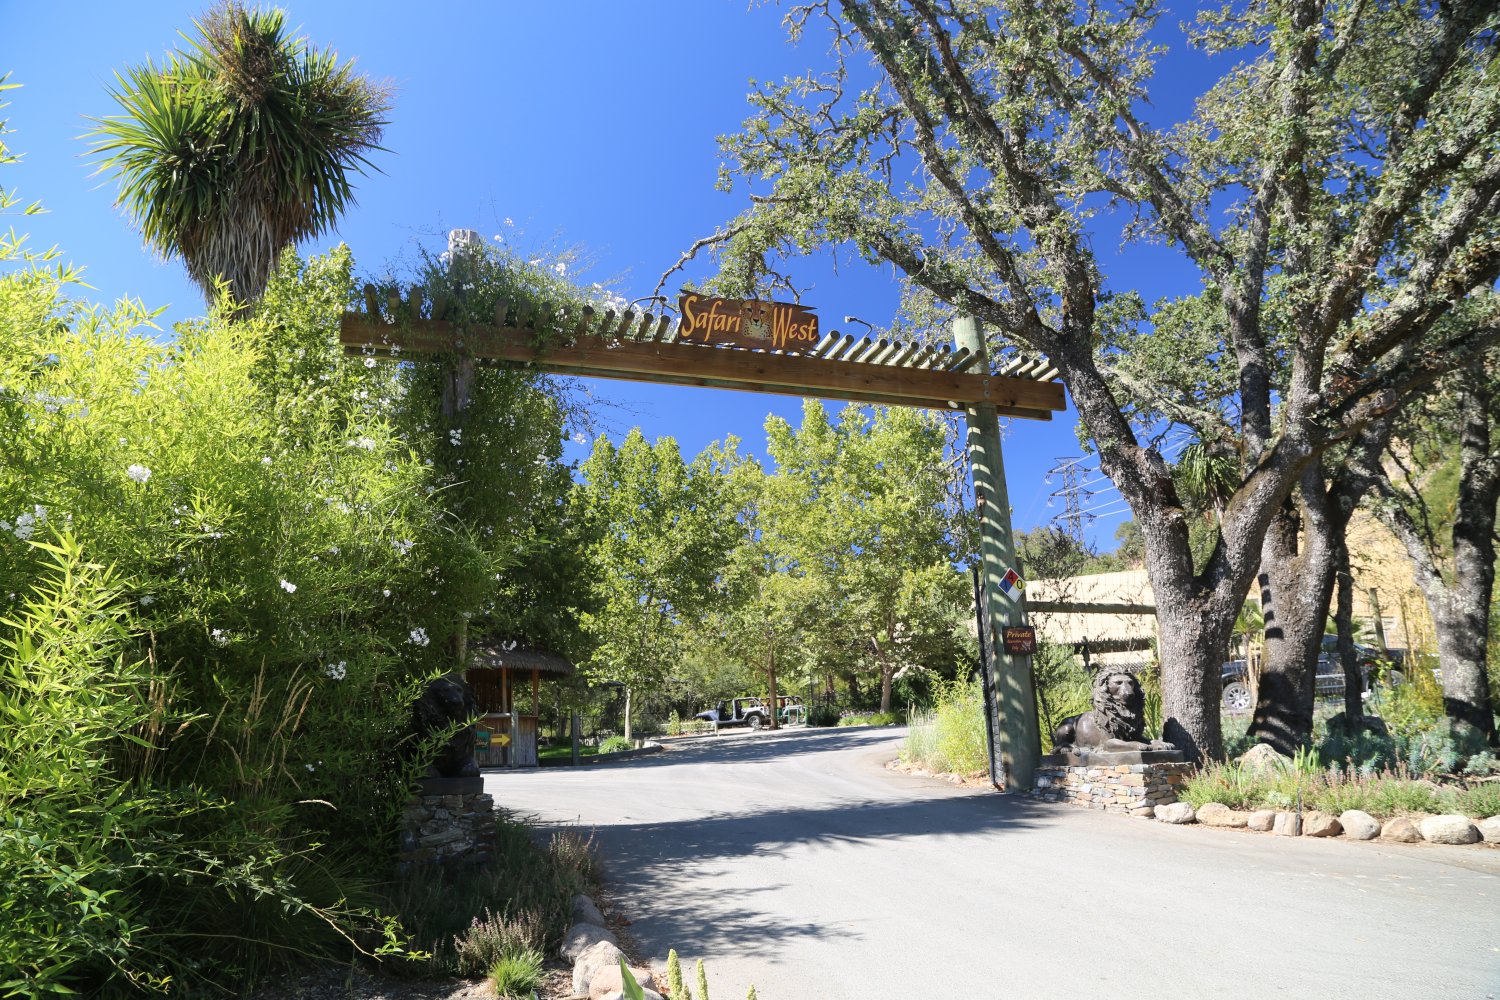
(500,679)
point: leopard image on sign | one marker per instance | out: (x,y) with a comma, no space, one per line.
(772,326)
(1118,721)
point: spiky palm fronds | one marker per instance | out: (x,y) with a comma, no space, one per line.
(239,146)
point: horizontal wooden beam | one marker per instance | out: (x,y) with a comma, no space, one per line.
(1081,608)
(723,368)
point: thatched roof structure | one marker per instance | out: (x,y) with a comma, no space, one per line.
(490,656)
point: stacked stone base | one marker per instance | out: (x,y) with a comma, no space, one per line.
(448,821)
(1127,783)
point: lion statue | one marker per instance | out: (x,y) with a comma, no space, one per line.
(445,701)
(1118,721)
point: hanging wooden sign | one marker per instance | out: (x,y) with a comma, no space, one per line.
(770,326)
(1019,639)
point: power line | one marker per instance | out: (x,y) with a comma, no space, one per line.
(1072,493)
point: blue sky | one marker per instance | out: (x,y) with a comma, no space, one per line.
(588,124)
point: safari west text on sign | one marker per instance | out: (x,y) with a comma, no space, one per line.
(772,326)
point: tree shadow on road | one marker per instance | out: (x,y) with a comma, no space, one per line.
(679,875)
(765,746)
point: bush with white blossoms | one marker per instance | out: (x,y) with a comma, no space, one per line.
(297,539)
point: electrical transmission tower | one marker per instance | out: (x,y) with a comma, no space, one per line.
(1073,494)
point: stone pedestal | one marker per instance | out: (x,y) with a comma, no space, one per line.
(1134,782)
(448,821)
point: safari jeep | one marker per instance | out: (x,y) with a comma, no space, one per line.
(750,712)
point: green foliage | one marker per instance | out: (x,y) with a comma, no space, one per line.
(615,744)
(1026,120)
(630,988)
(951,738)
(872,719)
(702,977)
(285,577)
(466,921)
(857,510)
(114,879)
(1394,791)
(823,713)
(661,537)
(1413,707)
(239,146)
(517,973)
(676,988)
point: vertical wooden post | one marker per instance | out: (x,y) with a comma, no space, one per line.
(1014,723)
(536,693)
(456,382)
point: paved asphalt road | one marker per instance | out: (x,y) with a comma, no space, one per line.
(797,862)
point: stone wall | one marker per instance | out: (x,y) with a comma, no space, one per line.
(1132,788)
(448,820)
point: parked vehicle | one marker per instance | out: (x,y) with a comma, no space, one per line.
(1234,677)
(752,712)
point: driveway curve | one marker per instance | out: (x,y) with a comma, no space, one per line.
(798,862)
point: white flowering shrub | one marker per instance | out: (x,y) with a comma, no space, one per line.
(256,574)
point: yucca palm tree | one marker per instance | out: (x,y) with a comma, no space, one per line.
(239,146)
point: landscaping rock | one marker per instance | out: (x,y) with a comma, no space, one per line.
(1448,830)
(595,957)
(1262,758)
(607,981)
(1359,825)
(1218,814)
(586,911)
(1176,812)
(1287,825)
(1320,824)
(1401,830)
(581,937)
(1261,820)
(620,995)
(1489,829)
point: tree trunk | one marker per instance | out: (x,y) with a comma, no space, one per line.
(1354,682)
(1192,644)
(628,734)
(1459,606)
(1463,623)
(771,674)
(1296,589)
(1301,555)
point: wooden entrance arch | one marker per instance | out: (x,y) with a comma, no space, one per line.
(642,347)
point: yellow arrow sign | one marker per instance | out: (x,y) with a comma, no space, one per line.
(503,740)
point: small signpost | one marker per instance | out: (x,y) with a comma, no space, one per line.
(1020,639)
(771,326)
